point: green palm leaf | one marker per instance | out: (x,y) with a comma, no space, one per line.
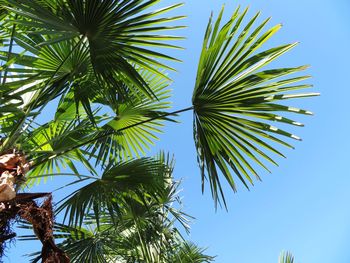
(46,143)
(190,253)
(143,227)
(82,244)
(127,239)
(235,101)
(121,183)
(286,257)
(135,125)
(115,33)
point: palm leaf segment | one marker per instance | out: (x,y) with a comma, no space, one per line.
(235,101)
(286,257)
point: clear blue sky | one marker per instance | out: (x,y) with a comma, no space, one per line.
(303,206)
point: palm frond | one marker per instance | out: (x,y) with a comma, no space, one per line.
(235,101)
(123,241)
(116,33)
(121,183)
(82,244)
(286,257)
(46,143)
(190,253)
(10,112)
(141,231)
(130,131)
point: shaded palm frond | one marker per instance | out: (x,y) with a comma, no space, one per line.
(82,244)
(10,112)
(48,72)
(61,49)
(188,252)
(121,183)
(116,33)
(47,146)
(141,230)
(122,241)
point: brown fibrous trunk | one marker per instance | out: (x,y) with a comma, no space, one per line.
(13,206)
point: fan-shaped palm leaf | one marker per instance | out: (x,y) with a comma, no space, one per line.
(235,102)
(132,129)
(114,32)
(121,184)
(47,146)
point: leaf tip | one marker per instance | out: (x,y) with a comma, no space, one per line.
(309,113)
(296,137)
(298,124)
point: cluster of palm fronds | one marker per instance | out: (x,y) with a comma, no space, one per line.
(101,64)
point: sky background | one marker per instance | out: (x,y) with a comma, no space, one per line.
(303,206)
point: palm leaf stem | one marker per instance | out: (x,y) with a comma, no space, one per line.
(10,51)
(111,133)
(156,118)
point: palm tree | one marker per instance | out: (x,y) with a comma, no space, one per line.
(101,63)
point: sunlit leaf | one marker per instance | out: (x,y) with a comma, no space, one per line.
(236,100)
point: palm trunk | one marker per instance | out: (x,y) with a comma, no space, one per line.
(13,205)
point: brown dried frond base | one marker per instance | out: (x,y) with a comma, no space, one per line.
(13,167)
(41,218)
(7,215)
